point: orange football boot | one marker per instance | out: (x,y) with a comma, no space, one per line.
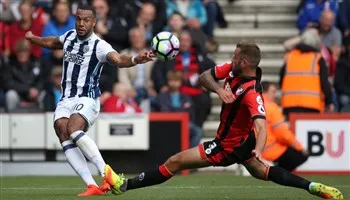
(91,190)
(105,187)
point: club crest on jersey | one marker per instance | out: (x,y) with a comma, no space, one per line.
(86,48)
(240,90)
(231,74)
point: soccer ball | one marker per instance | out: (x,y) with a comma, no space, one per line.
(165,45)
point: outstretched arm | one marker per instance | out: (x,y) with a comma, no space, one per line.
(45,42)
(124,61)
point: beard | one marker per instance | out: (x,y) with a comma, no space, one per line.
(238,69)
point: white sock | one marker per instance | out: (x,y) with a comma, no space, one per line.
(89,148)
(78,162)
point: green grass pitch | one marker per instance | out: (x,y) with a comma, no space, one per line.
(196,186)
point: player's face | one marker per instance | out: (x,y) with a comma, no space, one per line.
(174,85)
(84,23)
(271,92)
(237,62)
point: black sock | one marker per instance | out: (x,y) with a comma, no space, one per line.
(283,177)
(153,177)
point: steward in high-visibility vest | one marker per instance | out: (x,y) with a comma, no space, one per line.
(304,81)
(281,147)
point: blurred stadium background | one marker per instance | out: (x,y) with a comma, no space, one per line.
(139,127)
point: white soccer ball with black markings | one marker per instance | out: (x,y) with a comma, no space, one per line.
(165,45)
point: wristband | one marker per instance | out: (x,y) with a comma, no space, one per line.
(133,60)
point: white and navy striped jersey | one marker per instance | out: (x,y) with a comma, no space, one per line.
(82,64)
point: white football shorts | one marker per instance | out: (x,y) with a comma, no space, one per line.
(87,107)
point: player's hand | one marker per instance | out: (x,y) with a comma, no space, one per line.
(305,152)
(225,96)
(144,57)
(29,35)
(257,154)
(330,108)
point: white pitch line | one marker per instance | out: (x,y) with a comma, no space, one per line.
(172,187)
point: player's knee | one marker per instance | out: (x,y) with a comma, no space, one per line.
(259,172)
(174,163)
(76,123)
(61,130)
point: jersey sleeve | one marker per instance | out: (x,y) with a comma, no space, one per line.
(102,49)
(63,37)
(255,105)
(221,71)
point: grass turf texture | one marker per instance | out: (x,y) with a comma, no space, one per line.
(197,186)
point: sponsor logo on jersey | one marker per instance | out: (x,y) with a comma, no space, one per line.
(259,100)
(74,58)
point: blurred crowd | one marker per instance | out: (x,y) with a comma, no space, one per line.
(30,76)
(316,73)
(315,77)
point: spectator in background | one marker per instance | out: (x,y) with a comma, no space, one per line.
(20,28)
(213,11)
(304,78)
(281,147)
(2,81)
(115,21)
(61,21)
(191,64)
(109,30)
(176,24)
(10,11)
(4,39)
(103,22)
(192,10)
(23,78)
(344,16)
(342,78)
(145,20)
(75,3)
(327,55)
(310,12)
(174,101)
(330,35)
(161,18)
(56,57)
(122,101)
(138,77)
(52,91)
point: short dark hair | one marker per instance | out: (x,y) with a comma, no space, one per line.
(174,75)
(87,7)
(266,85)
(251,52)
(177,13)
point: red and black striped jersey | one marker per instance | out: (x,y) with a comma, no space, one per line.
(236,119)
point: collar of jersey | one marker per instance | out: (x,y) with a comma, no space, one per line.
(87,39)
